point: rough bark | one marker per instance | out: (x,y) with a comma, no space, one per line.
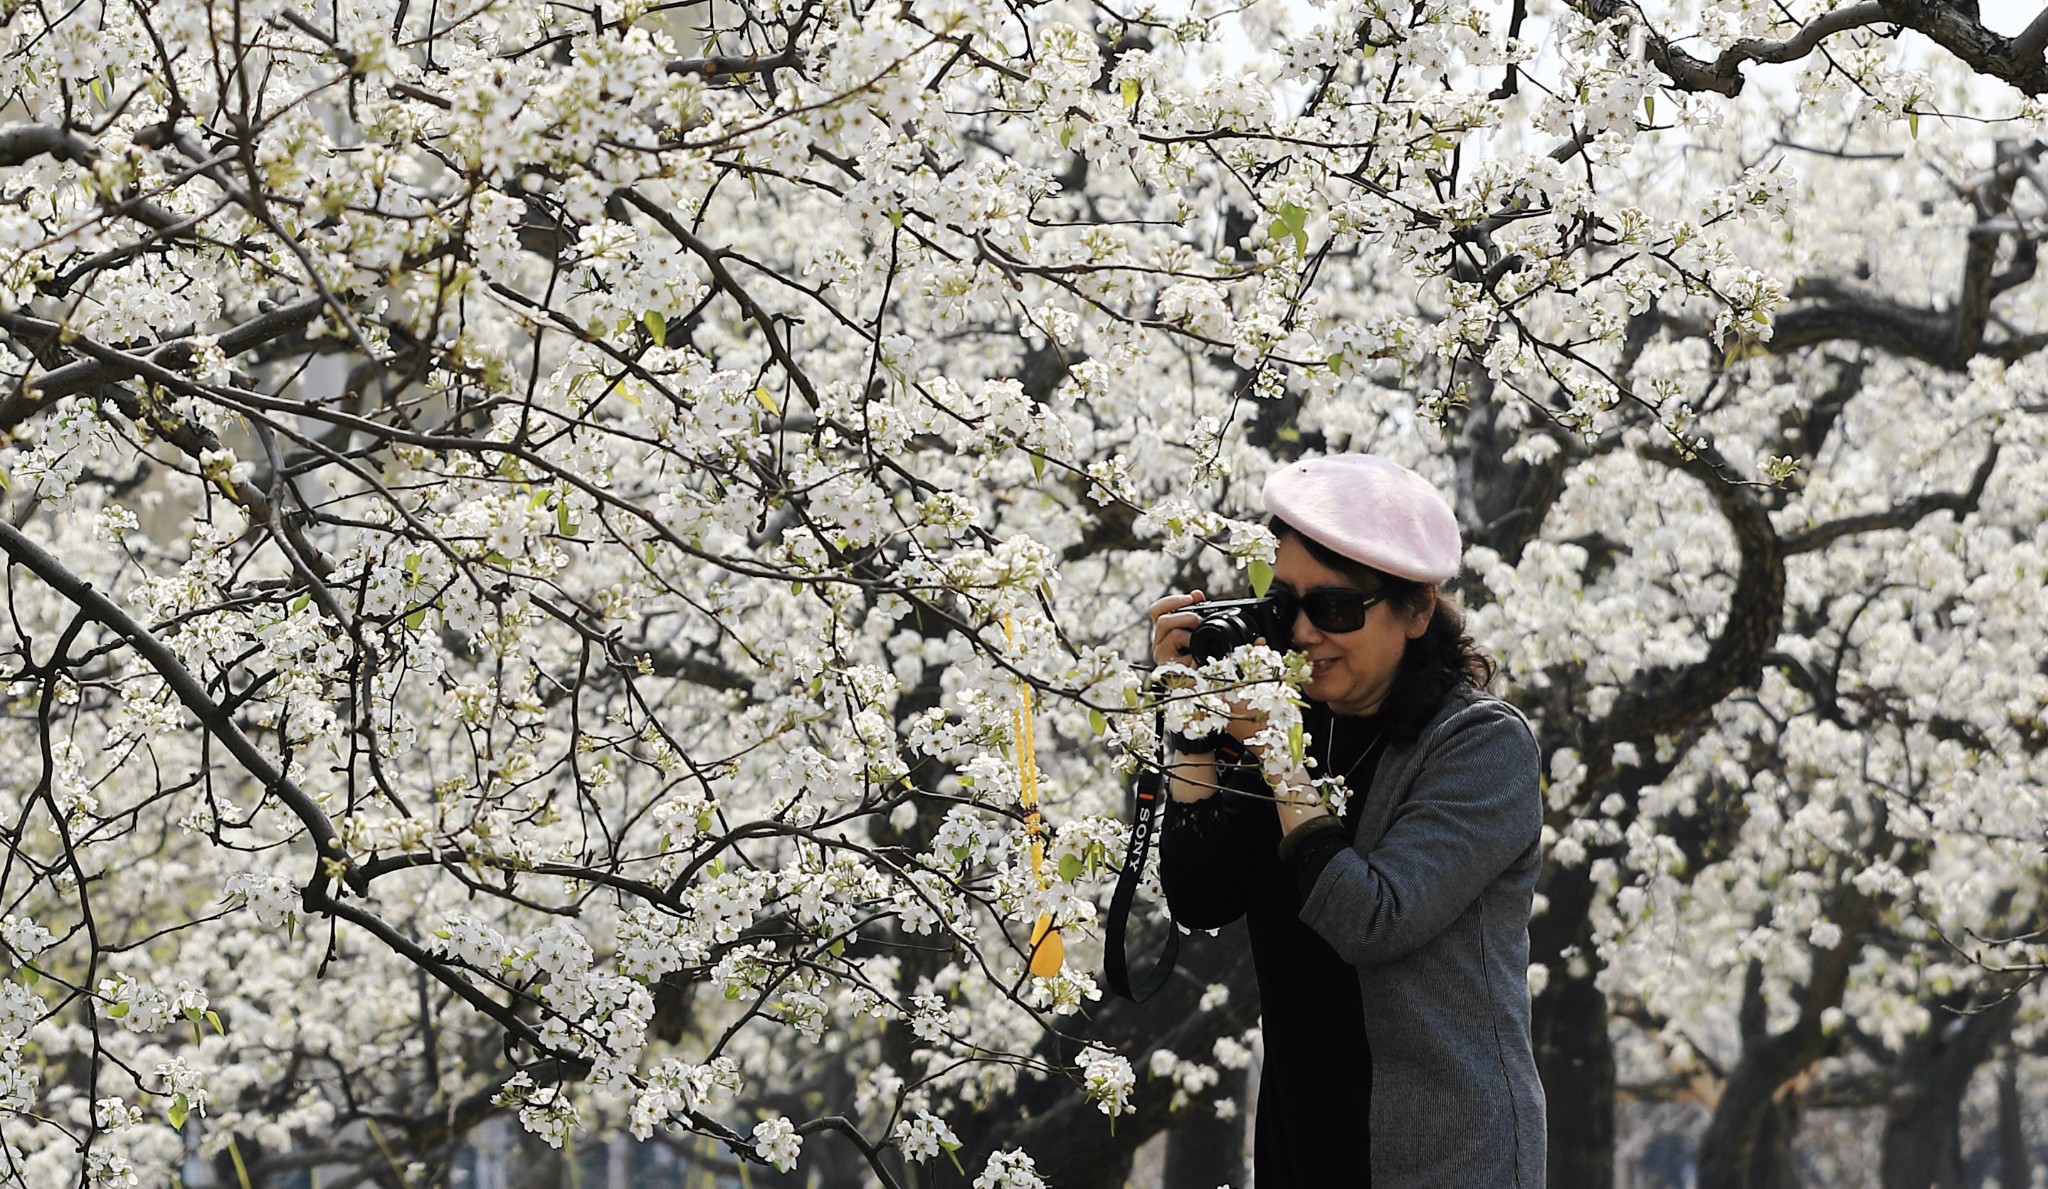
(1574,1052)
(1206,1151)
(1954,26)
(1922,1144)
(2013,1172)
(1074,1146)
(1748,1142)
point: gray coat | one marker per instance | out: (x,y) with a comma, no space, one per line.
(1431,906)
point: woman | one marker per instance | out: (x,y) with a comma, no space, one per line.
(1391,945)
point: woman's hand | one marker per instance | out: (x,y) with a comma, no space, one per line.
(1296,802)
(1172,624)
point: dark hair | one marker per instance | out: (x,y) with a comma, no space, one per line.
(1436,662)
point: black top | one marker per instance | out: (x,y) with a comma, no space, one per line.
(1218,860)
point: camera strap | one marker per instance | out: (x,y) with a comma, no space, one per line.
(1151,796)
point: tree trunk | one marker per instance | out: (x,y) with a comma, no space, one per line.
(1203,1154)
(1923,1142)
(1576,1059)
(1771,1164)
(1206,1151)
(1748,1144)
(1074,1146)
(1574,1053)
(2013,1172)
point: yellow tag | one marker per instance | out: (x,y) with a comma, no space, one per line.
(1048,952)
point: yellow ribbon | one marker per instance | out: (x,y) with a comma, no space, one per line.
(1048,953)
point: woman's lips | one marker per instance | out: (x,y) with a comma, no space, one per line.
(1318,668)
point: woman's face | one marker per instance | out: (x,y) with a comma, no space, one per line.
(1350,671)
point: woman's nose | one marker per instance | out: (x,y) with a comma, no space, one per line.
(1304,631)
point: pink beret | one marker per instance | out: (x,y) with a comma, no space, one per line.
(1370,510)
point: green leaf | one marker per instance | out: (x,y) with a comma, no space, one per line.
(1130,90)
(837,948)
(1291,222)
(1038,466)
(562,523)
(1070,867)
(767,401)
(657,326)
(1913,124)
(1098,722)
(180,1107)
(118,1011)
(192,1014)
(417,619)
(213,1018)
(1262,576)
(30,976)
(1649,109)
(299,604)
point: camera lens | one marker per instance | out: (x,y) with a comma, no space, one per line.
(1216,635)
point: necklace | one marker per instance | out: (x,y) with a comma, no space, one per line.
(1330,751)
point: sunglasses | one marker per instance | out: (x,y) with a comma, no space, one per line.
(1333,609)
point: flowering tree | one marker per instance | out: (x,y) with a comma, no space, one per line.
(531,528)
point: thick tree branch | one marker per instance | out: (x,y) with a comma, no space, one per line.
(85,375)
(1952,26)
(1901,515)
(1723,75)
(1665,698)
(2033,39)
(1843,312)
(192,692)
(1957,29)
(25,142)
(735,64)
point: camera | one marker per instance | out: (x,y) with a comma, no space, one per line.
(1228,623)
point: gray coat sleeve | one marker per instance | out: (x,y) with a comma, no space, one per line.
(1474,809)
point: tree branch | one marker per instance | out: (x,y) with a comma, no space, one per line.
(869,1151)
(25,142)
(85,375)
(735,64)
(1902,515)
(1955,28)
(1666,698)
(192,692)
